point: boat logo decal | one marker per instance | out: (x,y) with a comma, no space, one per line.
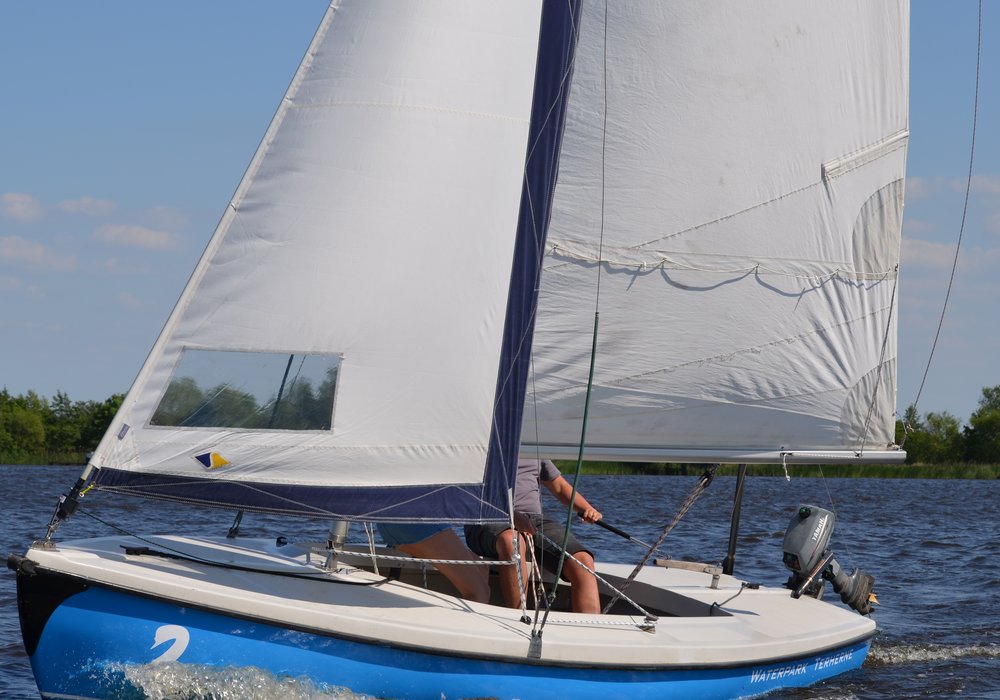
(820,526)
(211,460)
(171,633)
(821,663)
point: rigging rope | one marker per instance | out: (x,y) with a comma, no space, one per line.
(696,492)
(965,211)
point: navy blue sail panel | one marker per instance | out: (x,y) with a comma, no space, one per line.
(458,503)
(556,51)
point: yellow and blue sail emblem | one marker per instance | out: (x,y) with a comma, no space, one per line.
(211,460)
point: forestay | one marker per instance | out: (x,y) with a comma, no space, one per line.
(736,171)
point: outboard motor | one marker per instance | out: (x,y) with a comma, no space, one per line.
(811,561)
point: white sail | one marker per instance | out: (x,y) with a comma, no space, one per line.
(355,340)
(733,173)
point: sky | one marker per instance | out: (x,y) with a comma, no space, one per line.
(126,126)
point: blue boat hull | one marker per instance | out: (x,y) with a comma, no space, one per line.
(83,639)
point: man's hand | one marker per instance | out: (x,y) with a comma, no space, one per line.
(590,514)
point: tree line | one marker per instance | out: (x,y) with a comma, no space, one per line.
(37,430)
(938,438)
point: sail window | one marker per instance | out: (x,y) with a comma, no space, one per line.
(251,390)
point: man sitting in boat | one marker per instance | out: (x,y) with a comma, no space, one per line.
(437,541)
(497,541)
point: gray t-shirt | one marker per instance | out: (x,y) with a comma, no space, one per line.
(530,472)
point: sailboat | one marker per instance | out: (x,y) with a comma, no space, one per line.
(646,231)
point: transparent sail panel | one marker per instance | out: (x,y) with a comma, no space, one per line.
(252,390)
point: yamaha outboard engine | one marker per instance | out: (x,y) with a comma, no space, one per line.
(806,553)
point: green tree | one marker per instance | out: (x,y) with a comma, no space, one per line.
(182,400)
(24,432)
(95,419)
(36,430)
(226,407)
(934,439)
(297,409)
(62,425)
(982,435)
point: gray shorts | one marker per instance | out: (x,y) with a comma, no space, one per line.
(482,539)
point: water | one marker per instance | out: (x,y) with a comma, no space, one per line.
(933,546)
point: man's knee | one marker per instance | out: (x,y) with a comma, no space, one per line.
(505,544)
(584,564)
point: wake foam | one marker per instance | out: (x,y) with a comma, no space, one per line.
(899,654)
(174,681)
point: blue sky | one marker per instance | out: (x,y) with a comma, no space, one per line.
(127,125)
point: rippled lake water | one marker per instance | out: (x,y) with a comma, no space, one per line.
(933,546)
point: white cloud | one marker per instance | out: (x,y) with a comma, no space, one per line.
(981,184)
(117,266)
(979,260)
(986,184)
(165,217)
(917,188)
(9,282)
(993,222)
(129,300)
(920,188)
(917,227)
(23,207)
(87,206)
(917,253)
(136,237)
(940,256)
(15,249)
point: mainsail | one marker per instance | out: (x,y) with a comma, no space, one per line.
(733,173)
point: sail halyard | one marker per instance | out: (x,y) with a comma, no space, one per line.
(374,233)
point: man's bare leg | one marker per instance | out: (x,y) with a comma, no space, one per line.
(472,582)
(508,574)
(584,594)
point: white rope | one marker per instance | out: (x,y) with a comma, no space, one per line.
(605,621)
(515,558)
(370,532)
(423,560)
